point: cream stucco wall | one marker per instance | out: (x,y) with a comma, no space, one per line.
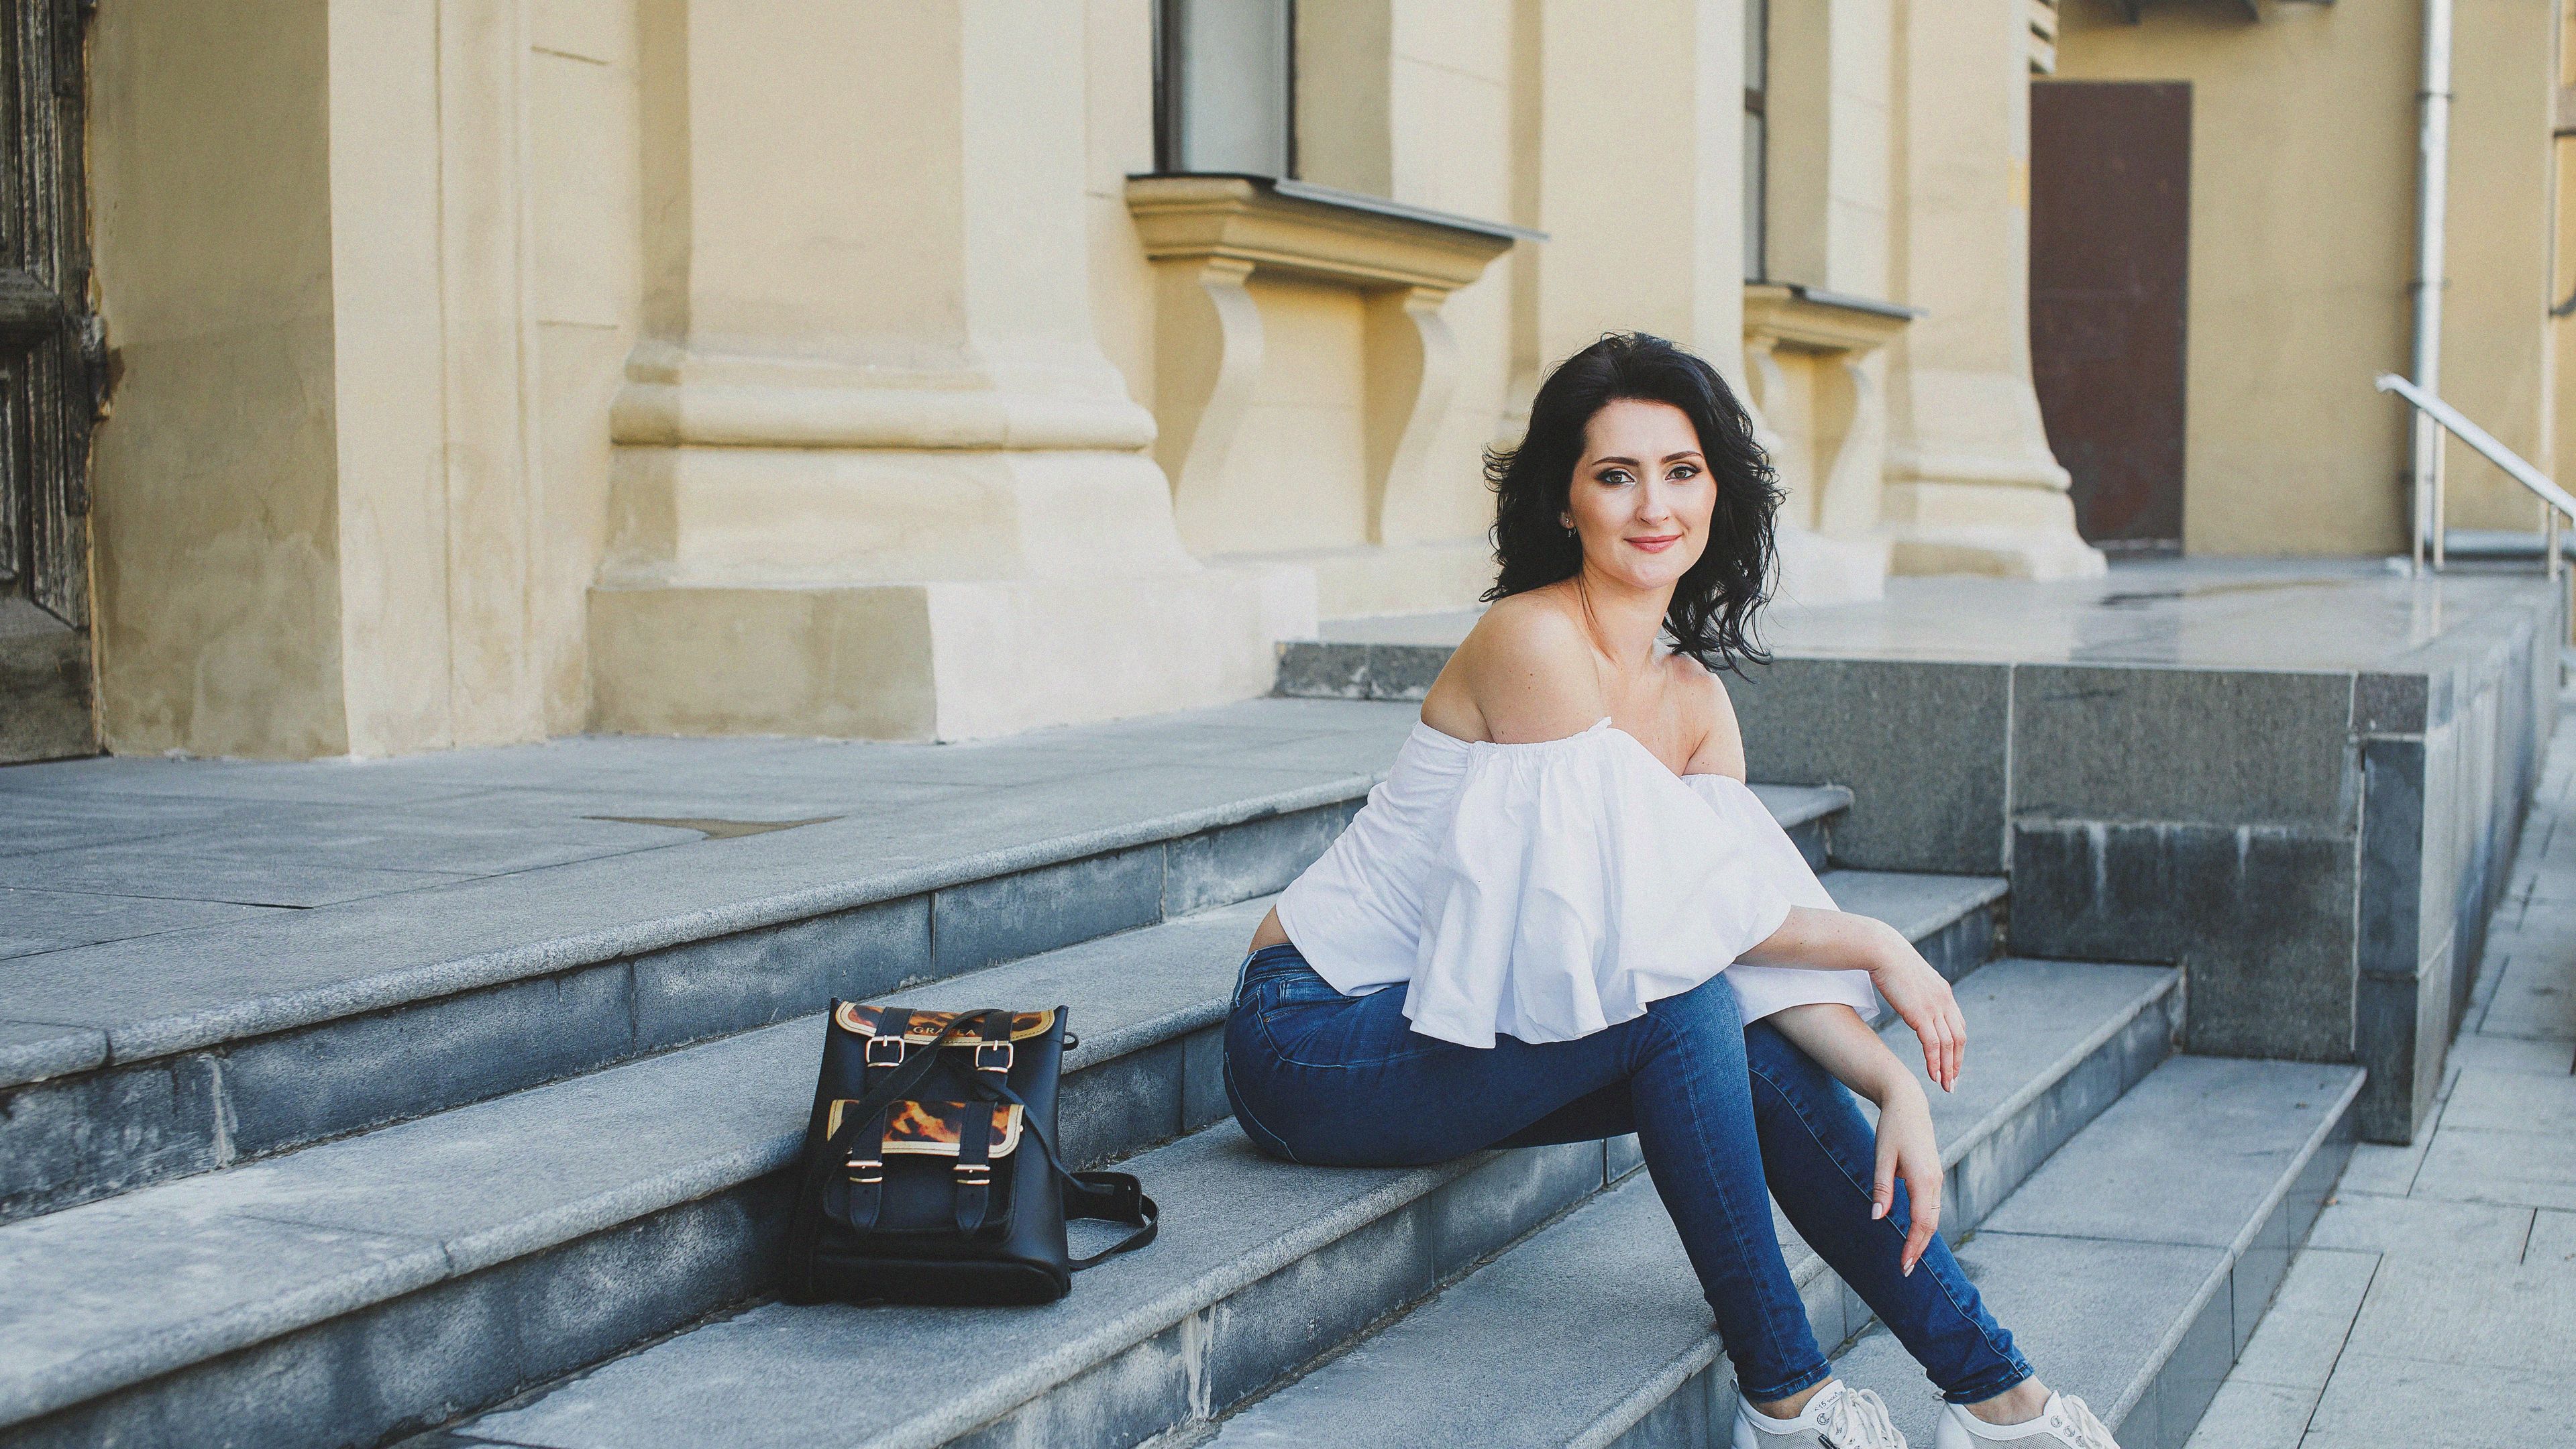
(663,364)
(216,517)
(2495,313)
(2303,196)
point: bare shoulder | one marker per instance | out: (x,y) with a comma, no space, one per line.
(1525,672)
(1712,715)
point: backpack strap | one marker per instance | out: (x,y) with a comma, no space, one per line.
(1113,1197)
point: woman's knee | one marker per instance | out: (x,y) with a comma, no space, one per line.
(1705,1020)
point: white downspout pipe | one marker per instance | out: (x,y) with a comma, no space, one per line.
(2431,205)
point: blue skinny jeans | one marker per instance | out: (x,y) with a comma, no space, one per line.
(1720,1110)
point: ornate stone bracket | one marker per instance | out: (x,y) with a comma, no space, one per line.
(1208,235)
(1846,406)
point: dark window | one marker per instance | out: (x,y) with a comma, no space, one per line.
(1225,86)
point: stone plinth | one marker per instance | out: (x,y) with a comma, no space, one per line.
(2301,782)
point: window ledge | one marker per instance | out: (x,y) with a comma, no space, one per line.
(1787,314)
(1313,231)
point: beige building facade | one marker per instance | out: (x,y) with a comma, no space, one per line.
(491,370)
(2302,222)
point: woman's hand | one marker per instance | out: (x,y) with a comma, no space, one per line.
(1908,1151)
(1926,1003)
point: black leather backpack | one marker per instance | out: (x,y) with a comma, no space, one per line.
(930,1172)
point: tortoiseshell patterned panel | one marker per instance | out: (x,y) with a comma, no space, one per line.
(935,1128)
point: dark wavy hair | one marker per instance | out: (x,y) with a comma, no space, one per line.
(1711,616)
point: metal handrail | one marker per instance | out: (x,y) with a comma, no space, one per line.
(2555,499)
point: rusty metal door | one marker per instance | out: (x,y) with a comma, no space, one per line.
(2110,244)
(51,379)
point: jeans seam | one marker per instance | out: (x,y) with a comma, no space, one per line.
(1750,1251)
(1252,1123)
(2011,1357)
(1261,1019)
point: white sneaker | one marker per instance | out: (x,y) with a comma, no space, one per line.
(1841,1417)
(2065,1424)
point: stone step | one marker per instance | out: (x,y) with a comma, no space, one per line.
(2052,1044)
(1955,920)
(269,1054)
(679,1155)
(169,1303)
(1260,1267)
(1807,812)
(1162,1371)
(132,1061)
(2133,1266)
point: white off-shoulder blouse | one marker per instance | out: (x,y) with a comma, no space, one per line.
(1547,891)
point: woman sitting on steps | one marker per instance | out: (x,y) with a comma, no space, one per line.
(1597,929)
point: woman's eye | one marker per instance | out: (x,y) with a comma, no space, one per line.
(1685,470)
(1616,477)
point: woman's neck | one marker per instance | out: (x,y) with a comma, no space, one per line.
(1625,622)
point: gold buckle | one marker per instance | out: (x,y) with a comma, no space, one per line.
(893,1041)
(993,1046)
(865,1169)
(981,1173)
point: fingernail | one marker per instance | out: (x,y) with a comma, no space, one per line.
(1877,1211)
(1909,1271)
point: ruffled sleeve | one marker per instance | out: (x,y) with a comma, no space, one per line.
(1762,990)
(1578,880)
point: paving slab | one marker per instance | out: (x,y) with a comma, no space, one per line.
(2299,1340)
(2422,1227)
(170,869)
(33,921)
(2527,1169)
(2476,1052)
(2532,999)
(2249,1415)
(2378,1402)
(2553,1240)
(2449,1313)
(2512,1102)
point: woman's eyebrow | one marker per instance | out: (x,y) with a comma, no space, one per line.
(1614,458)
(1684,453)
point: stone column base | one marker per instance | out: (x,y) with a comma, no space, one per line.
(923,661)
(1395,578)
(1818,569)
(2013,530)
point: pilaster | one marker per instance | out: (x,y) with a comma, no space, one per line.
(873,474)
(1971,484)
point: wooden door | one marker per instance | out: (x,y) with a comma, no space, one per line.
(2110,245)
(51,381)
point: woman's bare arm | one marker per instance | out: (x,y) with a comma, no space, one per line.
(1837,1039)
(1819,940)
